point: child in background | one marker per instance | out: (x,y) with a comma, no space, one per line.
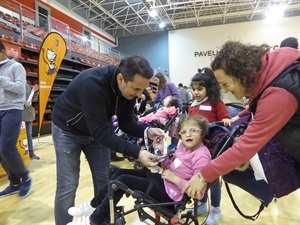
(208,103)
(161,115)
(189,158)
(149,108)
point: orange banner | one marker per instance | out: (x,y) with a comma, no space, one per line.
(52,52)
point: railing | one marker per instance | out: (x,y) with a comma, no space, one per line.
(32,27)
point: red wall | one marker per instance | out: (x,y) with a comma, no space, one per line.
(73,24)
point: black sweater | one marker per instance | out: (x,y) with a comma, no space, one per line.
(87,105)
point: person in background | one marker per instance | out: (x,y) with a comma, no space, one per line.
(12,98)
(190,156)
(291,42)
(28,117)
(149,108)
(247,70)
(183,94)
(208,103)
(164,90)
(190,93)
(82,122)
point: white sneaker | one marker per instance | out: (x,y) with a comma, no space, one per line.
(84,209)
(85,220)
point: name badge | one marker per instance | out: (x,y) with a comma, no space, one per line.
(177,162)
(205,107)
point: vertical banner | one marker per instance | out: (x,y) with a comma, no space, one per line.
(52,52)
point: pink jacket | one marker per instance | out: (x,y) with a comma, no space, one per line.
(274,109)
(160,115)
(185,164)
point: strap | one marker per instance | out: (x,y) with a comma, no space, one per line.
(253,217)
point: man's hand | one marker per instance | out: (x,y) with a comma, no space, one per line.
(194,186)
(153,133)
(147,158)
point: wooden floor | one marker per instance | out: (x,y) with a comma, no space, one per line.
(37,208)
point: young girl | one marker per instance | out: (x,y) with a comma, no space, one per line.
(169,109)
(190,156)
(208,103)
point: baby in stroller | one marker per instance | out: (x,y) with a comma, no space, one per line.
(190,157)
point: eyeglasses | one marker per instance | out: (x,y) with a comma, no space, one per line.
(190,131)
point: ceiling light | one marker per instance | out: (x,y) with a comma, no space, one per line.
(153,13)
(162,25)
(274,14)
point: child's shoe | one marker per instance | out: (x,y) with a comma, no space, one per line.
(84,209)
(214,216)
(202,208)
(11,189)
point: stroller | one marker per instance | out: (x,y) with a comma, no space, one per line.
(168,124)
(218,140)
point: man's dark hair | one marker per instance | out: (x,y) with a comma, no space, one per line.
(2,47)
(132,65)
(150,102)
(291,42)
(180,85)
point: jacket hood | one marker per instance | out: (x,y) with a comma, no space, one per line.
(273,64)
(8,63)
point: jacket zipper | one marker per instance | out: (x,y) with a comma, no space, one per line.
(76,118)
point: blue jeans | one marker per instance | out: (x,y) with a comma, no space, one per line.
(68,147)
(215,194)
(10,124)
(28,125)
(233,111)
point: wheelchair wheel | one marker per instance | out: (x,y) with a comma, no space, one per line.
(130,159)
(138,165)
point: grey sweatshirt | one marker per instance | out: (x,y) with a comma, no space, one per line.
(12,85)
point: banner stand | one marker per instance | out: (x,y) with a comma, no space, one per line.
(41,143)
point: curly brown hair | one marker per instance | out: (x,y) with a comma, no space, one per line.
(201,121)
(240,61)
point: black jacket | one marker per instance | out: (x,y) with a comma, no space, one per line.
(87,105)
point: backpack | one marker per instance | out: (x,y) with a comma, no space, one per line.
(289,135)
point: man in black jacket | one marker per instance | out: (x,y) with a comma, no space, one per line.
(81,121)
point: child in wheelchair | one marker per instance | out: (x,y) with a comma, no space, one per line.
(187,160)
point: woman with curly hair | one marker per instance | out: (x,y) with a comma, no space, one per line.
(208,103)
(247,70)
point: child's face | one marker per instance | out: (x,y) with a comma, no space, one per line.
(167,101)
(199,92)
(191,135)
(148,106)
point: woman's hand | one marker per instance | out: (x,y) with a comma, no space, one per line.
(194,186)
(227,122)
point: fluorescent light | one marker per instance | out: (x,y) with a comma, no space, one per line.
(162,25)
(153,13)
(274,14)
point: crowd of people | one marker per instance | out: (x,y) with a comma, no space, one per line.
(240,75)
